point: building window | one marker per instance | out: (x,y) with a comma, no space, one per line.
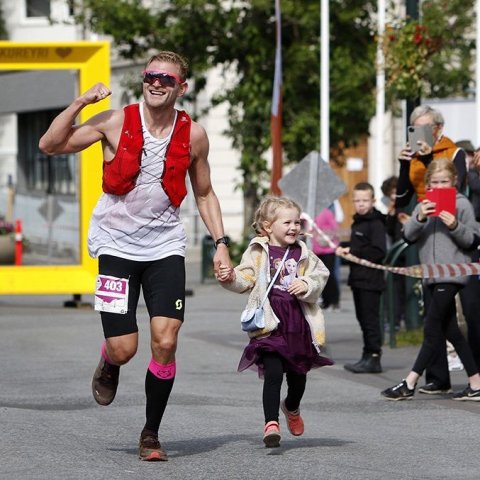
(40,173)
(71,7)
(38,8)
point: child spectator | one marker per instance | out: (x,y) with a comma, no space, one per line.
(446,238)
(325,220)
(368,241)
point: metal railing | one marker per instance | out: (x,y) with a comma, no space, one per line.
(413,318)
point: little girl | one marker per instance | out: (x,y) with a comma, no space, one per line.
(445,238)
(294,326)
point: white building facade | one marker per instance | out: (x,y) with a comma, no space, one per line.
(43,191)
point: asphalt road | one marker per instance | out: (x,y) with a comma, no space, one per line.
(51,428)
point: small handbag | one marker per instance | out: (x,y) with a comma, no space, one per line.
(254,319)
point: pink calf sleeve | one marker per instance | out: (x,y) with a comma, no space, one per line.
(163,372)
(105,354)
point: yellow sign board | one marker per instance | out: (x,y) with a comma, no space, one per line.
(92,60)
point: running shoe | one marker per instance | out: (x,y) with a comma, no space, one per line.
(468,394)
(149,448)
(294,420)
(433,389)
(271,435)
(399,392)
(105,382)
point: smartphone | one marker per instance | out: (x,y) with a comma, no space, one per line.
(444,199)
(422,132)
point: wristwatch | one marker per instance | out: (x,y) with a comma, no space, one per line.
(224,240)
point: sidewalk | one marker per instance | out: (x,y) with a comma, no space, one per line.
(52,429)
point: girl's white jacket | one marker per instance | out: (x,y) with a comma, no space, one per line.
(253,275)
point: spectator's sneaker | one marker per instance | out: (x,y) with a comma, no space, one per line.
(433,389)
(271,435)
(468,394)
(294,420)
(454,363)
(149,448)
(399,392)
(105,382)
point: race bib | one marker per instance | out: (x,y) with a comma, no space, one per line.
(111,294)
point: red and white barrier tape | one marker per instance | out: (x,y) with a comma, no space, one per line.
(438,270)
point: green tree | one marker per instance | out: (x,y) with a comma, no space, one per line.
(352,81)
(432,57)
(240,37)
(352,71)
(3,28)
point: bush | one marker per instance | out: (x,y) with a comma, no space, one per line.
(409,338)
(6,228)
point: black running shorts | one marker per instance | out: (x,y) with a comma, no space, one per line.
(163,285)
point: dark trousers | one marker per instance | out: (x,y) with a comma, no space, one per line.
(367,310)
(440,324)
(272,384)
(331,292)
(470,299)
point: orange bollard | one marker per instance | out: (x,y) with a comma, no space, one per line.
(18,242)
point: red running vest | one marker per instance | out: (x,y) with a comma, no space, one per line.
(120,174)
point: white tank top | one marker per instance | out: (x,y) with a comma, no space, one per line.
(142,225)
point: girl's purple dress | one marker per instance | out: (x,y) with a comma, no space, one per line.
(292,339)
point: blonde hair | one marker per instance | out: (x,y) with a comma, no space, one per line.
(441,164)
(267,211)
(171,57)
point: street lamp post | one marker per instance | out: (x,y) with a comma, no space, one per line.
(412,316)
(412,13)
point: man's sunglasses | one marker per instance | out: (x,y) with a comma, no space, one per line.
(165,79)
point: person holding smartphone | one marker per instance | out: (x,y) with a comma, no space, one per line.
(414,159)
(411,181)
(443,238)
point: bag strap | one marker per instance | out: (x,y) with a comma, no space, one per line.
(272,281)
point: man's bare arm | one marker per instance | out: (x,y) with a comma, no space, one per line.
(205,197)
(64,137)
